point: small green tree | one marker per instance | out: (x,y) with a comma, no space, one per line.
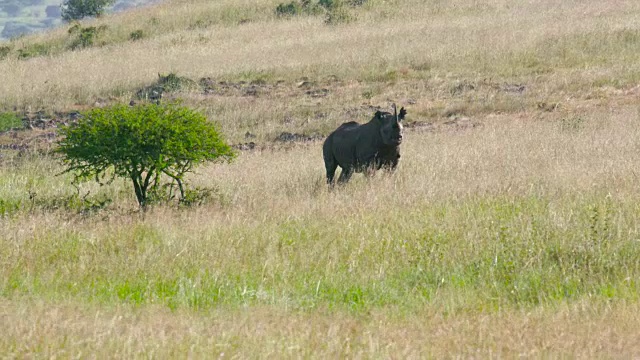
(78,9)
(141,143)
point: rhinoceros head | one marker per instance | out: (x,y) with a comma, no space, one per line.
(391,125)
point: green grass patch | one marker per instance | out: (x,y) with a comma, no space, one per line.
(10,121)
(488,253)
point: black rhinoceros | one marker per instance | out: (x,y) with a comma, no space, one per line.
(364,147)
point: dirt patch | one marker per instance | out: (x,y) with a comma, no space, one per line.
(17,147)
(39,132)
(460,123)
(548,107)
(306,84)
(256,88)
(451,124)
(21,142)
(295,137)
(513,88)
(285,140)
(245,146)
(420,126)
(465,86)
(462,87)
(42,120)
(315,93)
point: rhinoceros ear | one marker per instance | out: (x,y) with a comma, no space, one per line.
(402,114)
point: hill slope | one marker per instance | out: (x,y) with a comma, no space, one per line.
(463,59)
(510,227)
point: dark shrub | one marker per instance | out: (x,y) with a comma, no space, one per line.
(136,35)
(85,36)
(290,9)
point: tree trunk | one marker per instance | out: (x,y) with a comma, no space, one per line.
(181,189)
(140,194)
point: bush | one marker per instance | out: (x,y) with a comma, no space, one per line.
(337,15)
(143,143)
(9,207)
(172,82)
(79,9)
(136,35)
(85,36)
(71,203)
(34,50)
(290,9)
(165,84)
(334,10)
(4,52)
(306,7)
(328,4)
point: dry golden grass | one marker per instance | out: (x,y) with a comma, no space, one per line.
(431,46)
(270,267)
(75,330)
(587,150)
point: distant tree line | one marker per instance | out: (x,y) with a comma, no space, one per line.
(26,16)
(78,9)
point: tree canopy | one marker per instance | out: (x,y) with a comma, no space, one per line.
(142,143)
(78,9)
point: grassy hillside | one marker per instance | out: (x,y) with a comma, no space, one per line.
(445,59)
(509,229)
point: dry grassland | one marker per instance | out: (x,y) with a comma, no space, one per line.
(510,228)
(72,330)
(556,51)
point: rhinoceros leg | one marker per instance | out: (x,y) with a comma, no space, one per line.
(391,166)
(345,175)
(331,166)
(370,170)
(330,162)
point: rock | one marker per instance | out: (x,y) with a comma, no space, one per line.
(305,84)
(246,146)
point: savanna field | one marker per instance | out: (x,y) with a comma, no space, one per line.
(509,229)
